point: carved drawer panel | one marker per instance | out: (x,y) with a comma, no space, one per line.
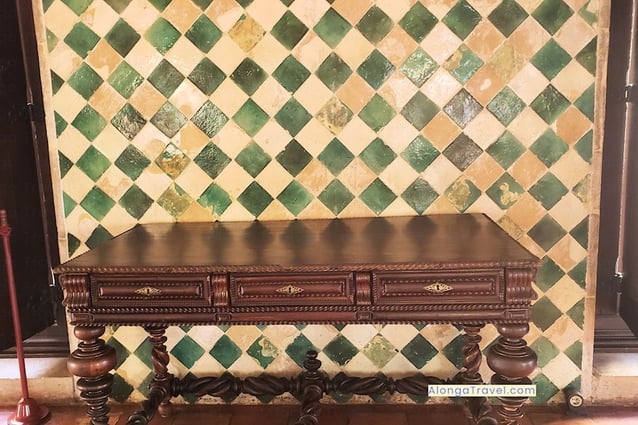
(292,289)
(485,286)
(165,290)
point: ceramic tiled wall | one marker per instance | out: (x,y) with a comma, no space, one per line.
(278,109)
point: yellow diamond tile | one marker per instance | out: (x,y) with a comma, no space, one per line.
(184,56)
(153,181)
(309,11)
(110,142)
(527,170)
(231,139)
(356,136)
(266,12)
(193,180)
(563,333)
(527,127)
(352,11)
(440,43)
(571,169)
(573,80)
(572,125)
(182,14)
(397,46)
(315,177)
(441,174)
(195,212)
(529,37)
(64,61)
(574,35)
(143,57)
(103,59)
(314,137)
(271,96)
(354,49)
(334,115)
(397,90)
(357,176)
(247,33)
(441,87)
(191,140)
(311,52)
(441,206)
(441,131)
(569,211)
(273,178)
(355,93)
(276,211)
(484,40)
(510,227)
(72,104)
(398,176)
(76,184)
(226,54)
(484,85)
(507,61)
(228,97)
(272,138)
(106,101)
(114,183)
(147,100)
(140,14)
(60,19)
(225,13)
(313,94)
(526,212)
(234,179)
(528,83)
(398,134)
(484,129)
(269,53)
(188,98)
(484,172)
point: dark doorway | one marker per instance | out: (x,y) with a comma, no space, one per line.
(617,290)
(25,191)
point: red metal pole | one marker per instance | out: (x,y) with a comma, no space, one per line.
(28,412)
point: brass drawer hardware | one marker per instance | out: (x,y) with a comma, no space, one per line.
(438,287)
(149,291)
(289,289)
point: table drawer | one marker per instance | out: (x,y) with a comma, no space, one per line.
(485,286)
(163,290)
(292,289)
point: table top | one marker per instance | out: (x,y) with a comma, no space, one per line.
(435,241)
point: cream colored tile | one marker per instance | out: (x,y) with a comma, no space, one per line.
(485,129)
(315,209)
(269,53)
(184,56)
(529,38)
(358,365)
(527,127)
(182,14)
(398,176)
(484,39)
(354,49)
(315,177)
(64,61)
(357,176)
(153,181)
(440,8)
(266,12)
(356,136)
(234,179)
(571,169)
(114,183)
(397,90)
(140,14)
(226,54)
(106,101)
(565,293)
(309,11)
(397,46)
(528,83)
(563,333)
(76,184)
(561,371)
(484,7)
(529,5)
(352,11)
(188,99)
(573,80)
(271,96)
(398,134)
(193,180)
(225,13)
(311,51)
(274,178)
(72,143)
(567,253)
(574,34)
(60,19)
(231,139)
(441,87)
(117,220)
(68,103)
(440,43)
(395,9)
(313,94)
(236,212)
(272,138)
(569,211)
(441,174)
(314,137)
(143,57)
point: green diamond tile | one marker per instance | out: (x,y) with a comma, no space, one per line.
(577,313)
(420,153)
(128,121)
(332,27)
(132,162)
(56,82)
(579,273)
(506,106)
(60,124)
(419,195)
(587,56)
(462,152)
(255,199)
(97,203)
(582,189)
(380,351)
(289,30)
(162,35)
(291,74)
(551,59)
(377,155)
(165,78)
(584,146)
(144,386)
(507,16)
(65,164)
(419,351)
(204,34)
(225,351)
(298,348)
(552,14)
(549,148)
(52,41)
(544,313)
(548,190)
(85,81)
(418,22)
(418,67)
(545,350)
(172,161)
(589,16)
(209,118)
(375,25)
(335,156)
(249,76)
(118,5)
(546,232)
(377,196)
(99,235)
(81,39)
(580,232)
(575,353)
(505,191)
(93,163)
(550,104)
(263,351)
(212,160)
(144,352)
(202,4)
(250,117)
(462,194)
(336,196)
(122,37)
(120,389)
(136,202)
(160,4)
(187,351)
(89,122)
(340,350)
(122,352)
(125,80)
(253,159)
(46,4)
(375,69)
(548,274)
(294,158)
(419,110)
(462,19)
(73,244)
(463,64)
(506,150)
(289,2)
(293,116)
(377,113)
(69,204)
(175,200)
(333,71)
(207,76)
(78,6)
(244,3)
(585,103)
(462,108)
(215,199)
(168,119)
(453,351)
(295,197)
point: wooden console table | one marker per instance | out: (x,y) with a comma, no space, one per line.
(459,269)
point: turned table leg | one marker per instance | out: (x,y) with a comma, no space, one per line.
(472,358)
(160,359)
(512,361)
(92,362)
(312,387)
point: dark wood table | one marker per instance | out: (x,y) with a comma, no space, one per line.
(460,269)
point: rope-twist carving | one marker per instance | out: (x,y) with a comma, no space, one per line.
(225,386)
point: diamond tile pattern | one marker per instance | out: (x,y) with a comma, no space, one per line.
(352,108)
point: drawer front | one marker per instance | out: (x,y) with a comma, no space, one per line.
(291,289)
(162,290)
(485,286)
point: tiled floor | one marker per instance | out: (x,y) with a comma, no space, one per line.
(341,415)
